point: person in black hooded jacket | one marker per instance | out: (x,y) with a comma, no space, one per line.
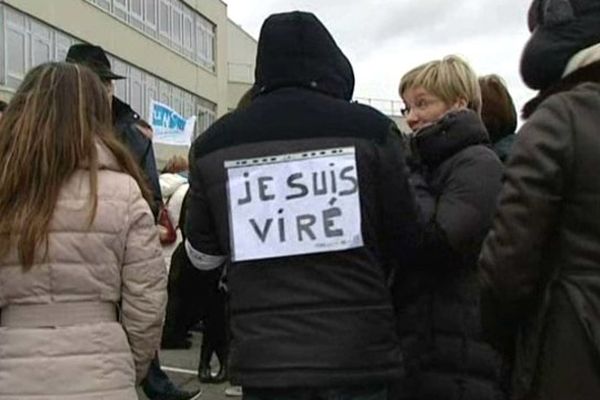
(305,197)
(457,177)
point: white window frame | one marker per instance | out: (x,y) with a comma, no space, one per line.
(107,2)
(120,9)
(189,33)
(137,18)
(196,39)
(3,50)
(17,76)
(149,26)
(164,35)
(136,84)
(44,40)
(151,89)
(176,15)
(61,46)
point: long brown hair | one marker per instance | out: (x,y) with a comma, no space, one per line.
(52,127)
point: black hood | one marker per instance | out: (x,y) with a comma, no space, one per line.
(295,49)
(451,134)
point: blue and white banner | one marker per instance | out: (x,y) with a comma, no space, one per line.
(170,127)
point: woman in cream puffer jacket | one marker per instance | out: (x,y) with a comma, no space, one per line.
(84,321)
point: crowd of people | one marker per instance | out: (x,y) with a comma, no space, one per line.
(325,254)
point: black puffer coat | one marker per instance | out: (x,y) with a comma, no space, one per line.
(540,264)
(316,319)
(438,301)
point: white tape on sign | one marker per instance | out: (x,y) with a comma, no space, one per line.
(293,204)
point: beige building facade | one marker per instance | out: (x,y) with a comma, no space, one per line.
(184,53)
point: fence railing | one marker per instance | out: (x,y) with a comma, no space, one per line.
(386,106)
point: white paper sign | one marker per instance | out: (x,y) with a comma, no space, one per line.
(293,204)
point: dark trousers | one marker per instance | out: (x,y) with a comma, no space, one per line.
(184,306)
(194,295)
(365,392)
(215,338)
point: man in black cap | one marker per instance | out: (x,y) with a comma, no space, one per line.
(305,197)
(133,131)
(128,124)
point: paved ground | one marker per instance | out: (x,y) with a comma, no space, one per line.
(182,366)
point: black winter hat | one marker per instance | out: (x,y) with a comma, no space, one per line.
(560,29)
(93,57)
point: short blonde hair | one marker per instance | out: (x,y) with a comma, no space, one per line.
(450,78)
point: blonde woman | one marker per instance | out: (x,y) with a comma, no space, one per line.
(437,301)
(82,279)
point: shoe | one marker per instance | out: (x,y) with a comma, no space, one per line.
(234,391)
(204,370)
(222,375)
(173,393)
(198,327)
(205,374)
(175,344)
(166,390)
(183,395)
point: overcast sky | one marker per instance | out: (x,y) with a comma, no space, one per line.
(385,38)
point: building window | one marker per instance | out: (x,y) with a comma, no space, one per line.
(204,43)
(176,27)
(104,4)
(164,20)
(41,44)
(188,33)
(17,48)
(61,45)
(173,23)
(150,17)
(136,13)
(206,117)
(121,9)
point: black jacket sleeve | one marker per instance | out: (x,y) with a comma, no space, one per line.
(142,150)
(464,203)
(200,226)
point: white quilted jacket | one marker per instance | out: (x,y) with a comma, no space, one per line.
(117,260)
